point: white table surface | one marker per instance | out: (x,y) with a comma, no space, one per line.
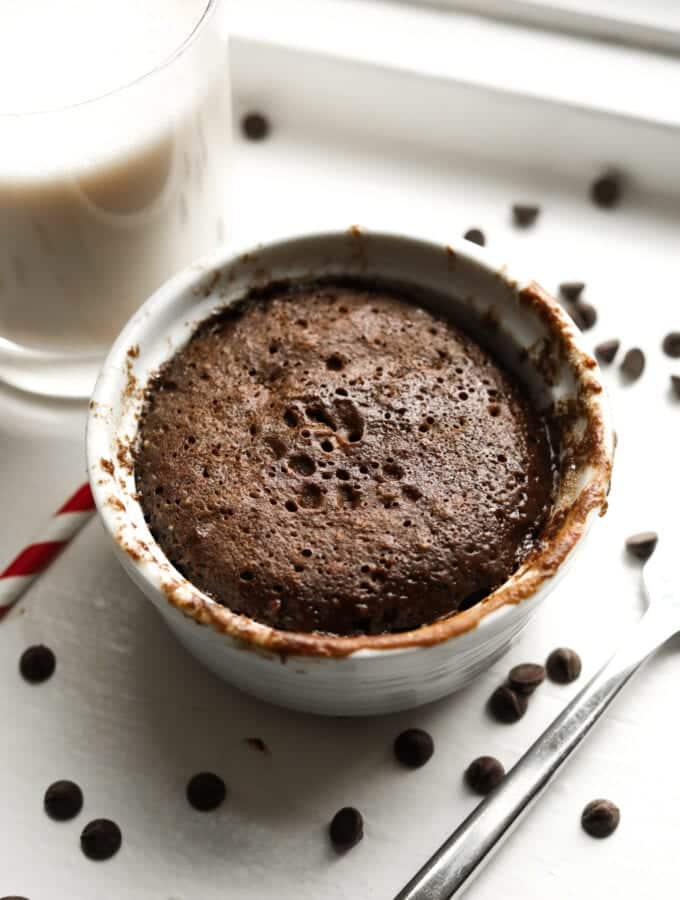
(130,717)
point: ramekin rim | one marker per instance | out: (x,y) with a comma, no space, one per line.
(154,568)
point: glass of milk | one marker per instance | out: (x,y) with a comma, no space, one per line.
(114,171)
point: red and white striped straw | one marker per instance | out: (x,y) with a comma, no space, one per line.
(37,556)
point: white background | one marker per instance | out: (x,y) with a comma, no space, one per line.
(130,717)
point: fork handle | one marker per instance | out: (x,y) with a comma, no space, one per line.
(463,855)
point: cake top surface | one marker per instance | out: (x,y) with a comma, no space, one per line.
(335,458)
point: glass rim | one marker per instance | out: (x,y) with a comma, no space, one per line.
(180,49)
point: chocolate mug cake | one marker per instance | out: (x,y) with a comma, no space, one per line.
(333,457)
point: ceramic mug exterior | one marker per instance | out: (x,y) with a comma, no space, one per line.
(364,675)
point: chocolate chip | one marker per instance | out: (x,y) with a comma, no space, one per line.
(37,663)
(575,312)
(605,191)
(642,545)
(633,363)
(475,236)
(587,315)
(255,126)
(63,800)
(572,290)
(483,774)
(675,385)
(257,744)
(607,350)
(507,705)
(524,215)
(671,344)
(526,677)
(600,818)
(413,747)
(347,828)
(206,791)
(563,665)
(100,839)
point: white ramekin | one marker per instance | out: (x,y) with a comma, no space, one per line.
(369,674)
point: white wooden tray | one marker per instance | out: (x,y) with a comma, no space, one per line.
(130,717)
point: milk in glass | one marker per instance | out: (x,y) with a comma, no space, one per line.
(114,143)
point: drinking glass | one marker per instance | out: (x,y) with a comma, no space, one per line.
(103,199)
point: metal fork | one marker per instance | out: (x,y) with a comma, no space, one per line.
(463,855)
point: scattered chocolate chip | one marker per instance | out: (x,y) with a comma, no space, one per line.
(506,705)
(63,800)
(37,663)
(671,344)
(475,236)
(526,677)
(413,747)
(563,665)
(607,350)
(633,363)
(100,839)
(255,126)
(524,215)
(600,818)
(587,315)
(572,290)
(483,774)
(675,384)
(574,311)
(347,828)
(257,744)
(605,191)
(206,791)
(642,545)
